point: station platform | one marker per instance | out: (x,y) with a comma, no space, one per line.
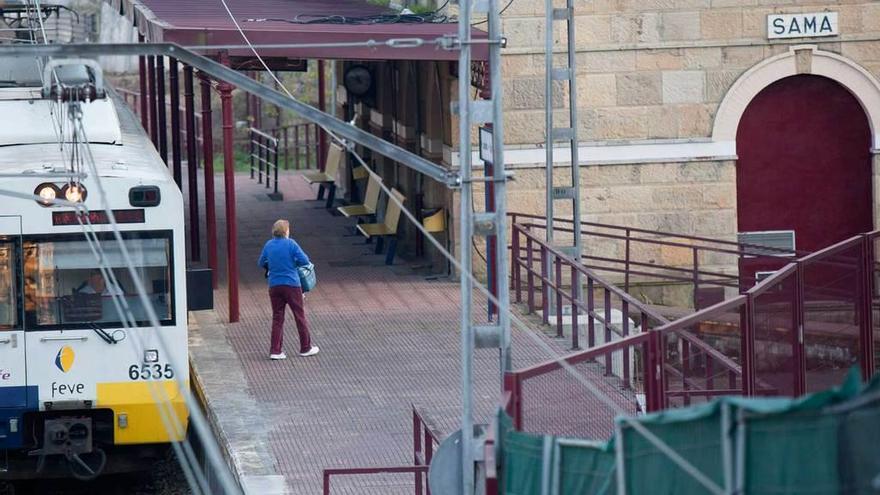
(389,337)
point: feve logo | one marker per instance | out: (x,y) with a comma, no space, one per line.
(64,359)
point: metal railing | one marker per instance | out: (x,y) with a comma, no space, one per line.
(426,438)
(299,144)
(797,331)
(640,253)
(263,152)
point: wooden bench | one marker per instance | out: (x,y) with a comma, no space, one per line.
(388,227)
(327,178)
(371,201)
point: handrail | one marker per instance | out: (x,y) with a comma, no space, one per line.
(263,135)
(595,276)
(515,215)
(738,252)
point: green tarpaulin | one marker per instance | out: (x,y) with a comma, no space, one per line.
(822,443)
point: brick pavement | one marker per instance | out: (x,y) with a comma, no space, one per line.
(389,337)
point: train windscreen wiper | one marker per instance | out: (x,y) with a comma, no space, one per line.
(106,337)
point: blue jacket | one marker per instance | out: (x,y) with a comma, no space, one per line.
(281,256)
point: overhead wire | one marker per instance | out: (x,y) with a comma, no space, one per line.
(199,420)
(584,381)
(171,422)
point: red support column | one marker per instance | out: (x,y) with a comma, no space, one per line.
(208,156)
(192,163)
(151,76)
(142,76)
(160,108)
(229,176)
(174,89)
(322,106)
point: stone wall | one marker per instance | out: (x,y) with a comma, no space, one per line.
(657,69)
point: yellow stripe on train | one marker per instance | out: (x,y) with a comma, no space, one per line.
(140,403)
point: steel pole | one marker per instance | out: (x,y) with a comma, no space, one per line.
(466,238)
(322,106)
(229,183)
(174,89)
(548,128)
(208,156)
(160,109)
(499,193)
(142,79)
(192,163)
(151,78)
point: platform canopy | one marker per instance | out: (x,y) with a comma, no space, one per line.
(200,22)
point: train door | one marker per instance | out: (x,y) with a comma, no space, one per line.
(14,393)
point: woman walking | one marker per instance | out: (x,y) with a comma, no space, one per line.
(281,256)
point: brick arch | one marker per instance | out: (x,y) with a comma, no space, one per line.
(800,59)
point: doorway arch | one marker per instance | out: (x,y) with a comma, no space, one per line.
(804,162)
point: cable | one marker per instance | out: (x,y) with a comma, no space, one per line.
(663,447)
(198,419)
(499,13)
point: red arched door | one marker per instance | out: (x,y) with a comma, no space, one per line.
(804,163)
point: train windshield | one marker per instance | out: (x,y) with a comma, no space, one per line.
(65,286)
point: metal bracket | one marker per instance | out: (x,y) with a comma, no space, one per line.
(481,111)
(563,193)
(562,14)
(484,224)
(572,252)
(562,133)
(487,336)
(561,74)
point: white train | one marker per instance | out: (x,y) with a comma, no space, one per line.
(80,394)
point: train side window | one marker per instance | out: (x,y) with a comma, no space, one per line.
(65,287)
(8,287)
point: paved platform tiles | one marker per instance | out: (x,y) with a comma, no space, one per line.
(389,337)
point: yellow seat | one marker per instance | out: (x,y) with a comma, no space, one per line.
(334,158)
(388,227)
(371,200)
(360,173)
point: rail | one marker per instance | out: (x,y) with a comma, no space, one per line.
(426,438)
(688,255)
(299,141)
(263,152)
(797,331)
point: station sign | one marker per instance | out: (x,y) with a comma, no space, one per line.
(810,25)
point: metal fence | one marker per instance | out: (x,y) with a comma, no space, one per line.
(633,255)
(299,144)
(797,331)
(263,154)
(426,438)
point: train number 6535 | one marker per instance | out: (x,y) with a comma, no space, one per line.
(148,371)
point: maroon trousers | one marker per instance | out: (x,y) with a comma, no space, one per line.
(282,296)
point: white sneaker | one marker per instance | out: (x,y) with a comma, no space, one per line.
(311,352)
(278,356)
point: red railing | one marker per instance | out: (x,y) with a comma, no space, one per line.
(634,254)
(797,331)
(426,438)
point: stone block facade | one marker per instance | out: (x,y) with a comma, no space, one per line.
(655,72)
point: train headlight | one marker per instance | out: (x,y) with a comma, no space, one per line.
(151,356)
(75,193)
(48,193)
